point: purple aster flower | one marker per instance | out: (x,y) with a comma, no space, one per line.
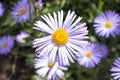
(20,38)
(89,56)
(49,67)
(63,38)
(6,44)
(21,11)
(107,24)
(39,4)
(116,69)
(1,9)
(103,50)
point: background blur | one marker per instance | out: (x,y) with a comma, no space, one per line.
(18,64)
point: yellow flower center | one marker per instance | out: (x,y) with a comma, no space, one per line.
(23,11)
(50,65)
(4,45)
(89,54)
(60,37)
(108,24)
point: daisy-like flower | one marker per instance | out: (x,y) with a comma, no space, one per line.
(103,50)
(89,57)
(116,69)
(22,11)
(20,38)
(64,39)
(47,66)
(1,9)
(39,4)
(6,44)
(107,24)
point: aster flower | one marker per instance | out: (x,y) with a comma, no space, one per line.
(47,66)
(103,50)
(116,69)
(1,9)
(89,57)
(6,44)
(39,4)
(107,24)
(20,38)
(21,11)
(64,39)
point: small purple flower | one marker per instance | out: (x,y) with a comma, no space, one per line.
(89,56)
(6,44)
(21,11)
(116,69)
(1,9)
(107,24)
(50,67)
(103,50)
(20,38)
(39,4)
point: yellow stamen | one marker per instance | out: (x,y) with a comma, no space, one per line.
(89,54)
(23,11)
(108,24)
(60,37)
(4,45)
(50,65)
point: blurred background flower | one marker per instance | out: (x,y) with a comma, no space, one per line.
(22,11)
(6,44)
(39,4)
(20,38)
(1,9)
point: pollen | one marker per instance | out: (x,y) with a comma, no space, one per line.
(60,37)
(108,24)
(88,54)
(23,11)
(4,45)
(50,65)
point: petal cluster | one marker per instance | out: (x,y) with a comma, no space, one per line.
(115,70)
(89,56)
(43,68)
(107,24)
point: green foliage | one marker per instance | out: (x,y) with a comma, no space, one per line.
(19,63)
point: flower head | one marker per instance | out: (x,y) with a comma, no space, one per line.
(107,24)
(64,39)
(39,4)
(49,67)
(20,38)
(116,69)
(89,56)
(1,9)
(103,50)
(6,44)
(22,11)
